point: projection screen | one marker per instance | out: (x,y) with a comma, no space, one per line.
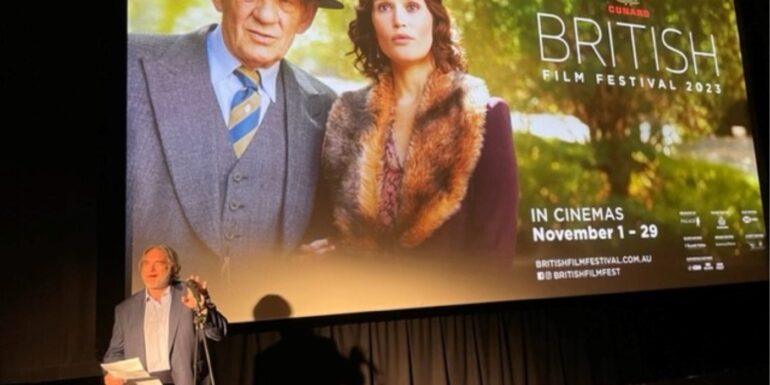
(628,165)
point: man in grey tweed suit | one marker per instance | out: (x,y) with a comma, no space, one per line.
(185,184)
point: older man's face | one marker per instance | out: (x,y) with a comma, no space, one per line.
(259,32)
(155,269)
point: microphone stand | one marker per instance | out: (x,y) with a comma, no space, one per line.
(199,320)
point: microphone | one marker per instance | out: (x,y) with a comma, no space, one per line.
(196,292)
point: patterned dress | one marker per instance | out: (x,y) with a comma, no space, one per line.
(391,185)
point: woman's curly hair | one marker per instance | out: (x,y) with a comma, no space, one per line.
(371,61)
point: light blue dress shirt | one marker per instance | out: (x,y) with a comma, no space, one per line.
(156,326)
(222,64)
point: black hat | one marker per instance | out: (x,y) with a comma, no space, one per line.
(333,4)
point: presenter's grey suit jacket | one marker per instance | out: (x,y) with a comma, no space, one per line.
(180,192)
(128,334)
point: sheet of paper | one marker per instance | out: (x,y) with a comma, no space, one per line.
(153,381)
(129,369)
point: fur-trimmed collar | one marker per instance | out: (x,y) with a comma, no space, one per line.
(443,151)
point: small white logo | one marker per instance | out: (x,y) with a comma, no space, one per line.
(721,221)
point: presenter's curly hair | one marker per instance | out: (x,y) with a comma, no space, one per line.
(371,61)
(171,257)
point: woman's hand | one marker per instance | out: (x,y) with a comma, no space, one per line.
(319,246)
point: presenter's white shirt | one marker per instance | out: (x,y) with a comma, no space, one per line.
(156,320)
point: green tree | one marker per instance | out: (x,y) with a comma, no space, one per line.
(502,42)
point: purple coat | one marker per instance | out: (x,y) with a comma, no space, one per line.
(485,224)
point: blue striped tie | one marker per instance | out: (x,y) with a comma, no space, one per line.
(244,110)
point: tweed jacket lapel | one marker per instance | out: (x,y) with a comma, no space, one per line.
(185,109)
(175,314)
(304,110)
(137,324)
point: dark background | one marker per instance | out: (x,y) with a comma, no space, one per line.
(63,235)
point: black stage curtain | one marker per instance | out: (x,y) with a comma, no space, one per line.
(48,299)
(620,339)
(716,335)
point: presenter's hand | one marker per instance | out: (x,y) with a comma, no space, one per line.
(319,246)
(188,299)
(110,380)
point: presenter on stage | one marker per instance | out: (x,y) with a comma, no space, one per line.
(157,323)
